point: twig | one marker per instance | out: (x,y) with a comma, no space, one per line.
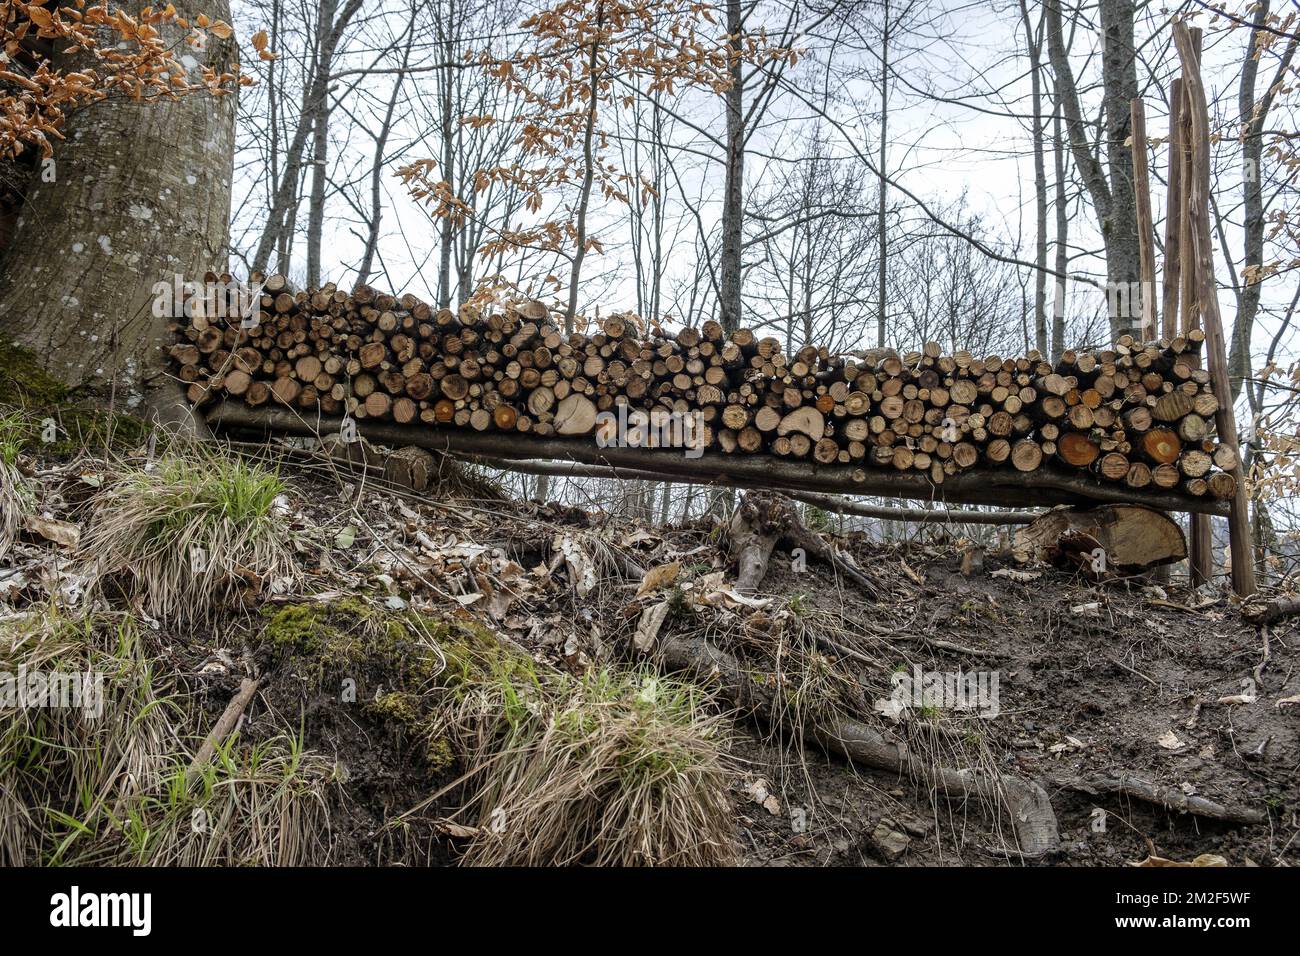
(222,729)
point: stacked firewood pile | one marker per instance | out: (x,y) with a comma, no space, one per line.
(1138,414)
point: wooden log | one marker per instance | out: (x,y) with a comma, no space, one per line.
(1131,537)
(1243,560)
(1002,488)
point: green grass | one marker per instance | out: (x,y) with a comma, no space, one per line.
(186,535)
(79,789)
(17,496)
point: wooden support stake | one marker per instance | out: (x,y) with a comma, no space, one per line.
(1172,277)
(1145,225)
(1243,565)
(1200,560)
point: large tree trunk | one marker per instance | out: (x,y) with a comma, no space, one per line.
(1119,86)
(1113,201)
(1034,47)
(142,193)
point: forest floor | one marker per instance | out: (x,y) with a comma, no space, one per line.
(1093,680)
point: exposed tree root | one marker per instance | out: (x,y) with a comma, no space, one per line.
(1031,811)
(1169,797)
(765,520)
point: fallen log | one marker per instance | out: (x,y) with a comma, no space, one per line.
(1131,538)
(1279,607)
(946,516)
(1006,488)
(1026,803)
(568,469)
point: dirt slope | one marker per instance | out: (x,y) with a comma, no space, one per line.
(1094,681)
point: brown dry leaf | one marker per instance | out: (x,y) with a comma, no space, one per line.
(63,533)
(640,536)
(647,629)
(757,790)
(582,573)
(1169,740)
(659,576)
(259,41)
(458,830)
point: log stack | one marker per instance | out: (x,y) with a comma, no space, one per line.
(1137,414)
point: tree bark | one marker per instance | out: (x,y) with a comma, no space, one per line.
(588,177)
(320,141)
(1119,88)
(1034,46)
(1113,200)
(729,264)
(141,194)
(1061,241)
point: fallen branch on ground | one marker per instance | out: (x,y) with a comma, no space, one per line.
(946,515)
(1170,798)
(222,729)
(1030,809)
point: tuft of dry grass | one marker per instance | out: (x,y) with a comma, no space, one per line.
(86,755)
(261,805)
(103,782)
(620,768)
(189,533)
(17,499)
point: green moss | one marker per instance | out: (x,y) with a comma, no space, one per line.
(418,662)
(398,706)
(439,754)
(23,382)
(475,655)
(348,636)
(26,387)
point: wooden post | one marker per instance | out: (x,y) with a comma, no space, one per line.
(1180,284)
(1202,261)
(1145,225)
(1172,277)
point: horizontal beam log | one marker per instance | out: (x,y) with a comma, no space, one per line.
(840,505)
(1008,488)
(919,515)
